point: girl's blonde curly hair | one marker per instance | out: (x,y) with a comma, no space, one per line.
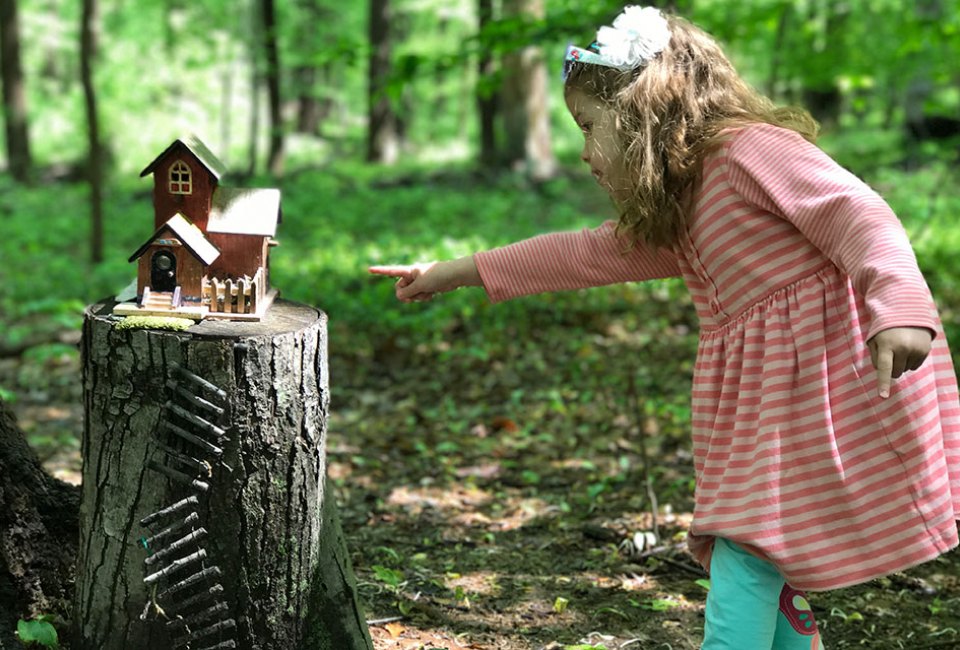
(670,113)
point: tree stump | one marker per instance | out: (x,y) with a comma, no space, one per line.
(205,519)
(38,535)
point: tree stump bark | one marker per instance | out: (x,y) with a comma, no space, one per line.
(205,518)
(38,535)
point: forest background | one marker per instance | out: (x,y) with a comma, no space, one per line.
(472,445)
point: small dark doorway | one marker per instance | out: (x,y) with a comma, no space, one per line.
(163,272)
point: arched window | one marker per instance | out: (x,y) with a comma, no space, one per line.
(181,181)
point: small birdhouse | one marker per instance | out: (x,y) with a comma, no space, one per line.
(208,255)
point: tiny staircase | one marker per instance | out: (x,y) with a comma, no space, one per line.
(161,303)
(160,300)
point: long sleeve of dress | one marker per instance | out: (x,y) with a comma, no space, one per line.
(777,170)
(570,260)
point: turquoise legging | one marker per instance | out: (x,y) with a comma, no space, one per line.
(750,607)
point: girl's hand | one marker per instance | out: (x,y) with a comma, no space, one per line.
(896,350)
(413,283)
(420,282)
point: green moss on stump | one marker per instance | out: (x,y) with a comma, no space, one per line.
(155,323)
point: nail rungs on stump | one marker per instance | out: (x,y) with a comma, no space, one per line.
(220,626)
(178,477)
(183,404)
(200,617)
(190,519)
(196,599)
(175,566)
(196,400)
(199,466)
(198,380)
(195,419)
(209,572)
(176,547)
(221,646)
(189,437)
(173,509)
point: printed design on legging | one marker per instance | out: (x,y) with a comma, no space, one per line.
(794,605)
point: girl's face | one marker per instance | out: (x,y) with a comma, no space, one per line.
(601,145)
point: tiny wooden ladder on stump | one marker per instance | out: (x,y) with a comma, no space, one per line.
(206,518)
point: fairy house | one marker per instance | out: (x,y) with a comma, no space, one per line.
(207,257)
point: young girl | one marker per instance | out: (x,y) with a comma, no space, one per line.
(814,468)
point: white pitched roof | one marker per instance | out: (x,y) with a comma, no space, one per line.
(244,211)
(190,236)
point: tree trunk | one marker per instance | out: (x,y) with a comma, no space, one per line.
(403,105)
(320,108)
(256,78)
(920,87)
(779,47)
(14,95)
(226,102)
(309,109)
(525,106)
(383,141)
(88,50)
(218,432)
(820,93)
(272,52)
(38,535)
(486,93)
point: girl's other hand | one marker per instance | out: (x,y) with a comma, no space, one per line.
(897,350)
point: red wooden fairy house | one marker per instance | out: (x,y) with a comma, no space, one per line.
(207,257)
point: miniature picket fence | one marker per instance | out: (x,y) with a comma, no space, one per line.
(239,296)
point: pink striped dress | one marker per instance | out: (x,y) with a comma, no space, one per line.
(793,265)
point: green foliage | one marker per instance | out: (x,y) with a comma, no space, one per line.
(391,578)
(937,607)
(194,62)
(394,582)
(336,224)
(656,604)
(542,367)
(337,221)
(873,45)
(38,632)
(853,617)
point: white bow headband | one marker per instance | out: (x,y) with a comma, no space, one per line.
(638,35)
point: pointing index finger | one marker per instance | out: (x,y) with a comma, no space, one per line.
(392,271)
(884,370)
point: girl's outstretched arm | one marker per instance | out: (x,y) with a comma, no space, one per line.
(576,259)
(419,282)
(557,261)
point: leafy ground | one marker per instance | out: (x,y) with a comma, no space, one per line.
(489,459)
(485,495)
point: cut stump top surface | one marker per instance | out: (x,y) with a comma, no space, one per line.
(283,317)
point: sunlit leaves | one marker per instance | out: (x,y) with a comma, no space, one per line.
(38,632)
